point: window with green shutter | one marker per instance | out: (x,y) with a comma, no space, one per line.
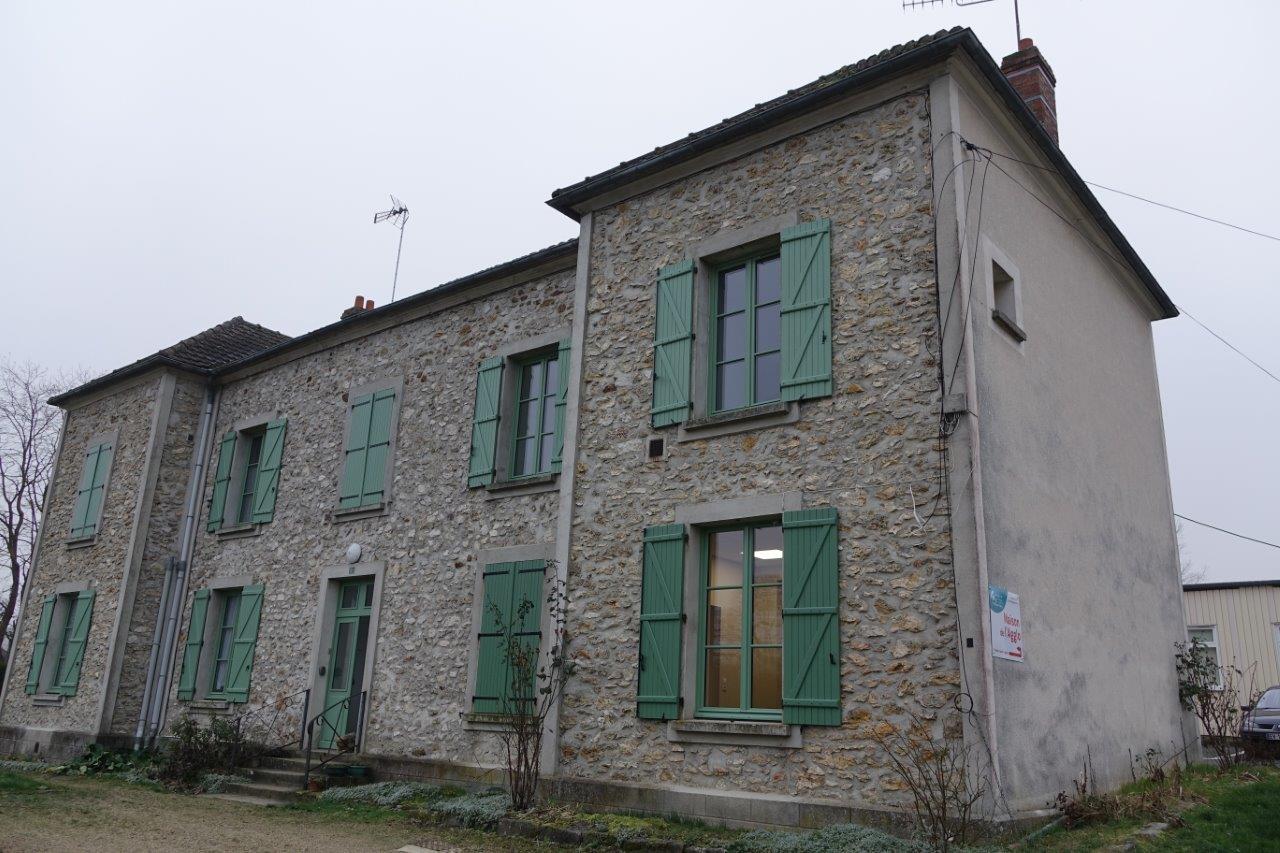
(223,640)
(41,644)
(247,475)
(244,642)
(811,618)
(661,622)
(510,617)
(746,334)
(76,612)
(517,431)
(673,345)
(741,622)
(366,466)
(194,645)
(534,426)
(806,311)
(87,513)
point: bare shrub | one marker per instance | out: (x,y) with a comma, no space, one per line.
(936,768)
(1158,798)
(534,689)
(1213,691)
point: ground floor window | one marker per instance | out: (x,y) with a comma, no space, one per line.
(741,625)
(224,641)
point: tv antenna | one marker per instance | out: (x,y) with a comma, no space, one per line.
(398,215)
(921,4)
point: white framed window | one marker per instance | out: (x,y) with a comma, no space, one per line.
(1004,292)
(1208,637)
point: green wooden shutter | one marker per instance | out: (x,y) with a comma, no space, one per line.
(222,480)
(810,618)
(562,398)
(81,617)
(351,489)
(497,581)
(484,425)
(93,479)
(673,345)
(376,467)
(195,642)
(244,643)
(806,311)
(661,623)
(505,587)
(268,479)
(42,642)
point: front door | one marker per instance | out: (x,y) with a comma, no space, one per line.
(347,646)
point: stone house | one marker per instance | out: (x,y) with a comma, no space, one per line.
(806,388)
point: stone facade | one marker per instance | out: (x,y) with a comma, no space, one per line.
(163,529)
(910,566)
(428,539)
(129,412)
(865,451)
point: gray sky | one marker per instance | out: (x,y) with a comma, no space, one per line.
(167,166)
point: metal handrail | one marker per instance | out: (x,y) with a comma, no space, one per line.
(278,707)
(322,717)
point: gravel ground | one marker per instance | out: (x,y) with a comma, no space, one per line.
(108,815)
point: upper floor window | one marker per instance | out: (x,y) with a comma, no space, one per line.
(247,475)
(367,457)
(744,323)
(87,513)
(534,434)
(747,334)
(517,429)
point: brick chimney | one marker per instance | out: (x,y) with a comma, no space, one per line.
(358,308)
(1033,79)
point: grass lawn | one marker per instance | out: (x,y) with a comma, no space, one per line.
(39,812)
(1235,811)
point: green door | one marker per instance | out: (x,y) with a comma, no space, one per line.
(347,646)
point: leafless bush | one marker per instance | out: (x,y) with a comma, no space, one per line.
(936,768)
(1158,799)
(535,688)
(1213,692)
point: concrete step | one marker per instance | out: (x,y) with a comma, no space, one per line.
(297,763)
(273,775)
(279,794)
(241,798)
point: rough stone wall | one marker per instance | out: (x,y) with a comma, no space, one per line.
(865,450)
(430,536)
(167,505)
(103,563)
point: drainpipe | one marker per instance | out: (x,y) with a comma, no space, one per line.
(159,667)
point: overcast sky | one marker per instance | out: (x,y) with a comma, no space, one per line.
(165,166)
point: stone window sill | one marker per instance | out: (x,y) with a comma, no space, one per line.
(1006,322)
(739,420)
(48,700)
(239,531)
(210,706)
(80,542)
(355,513)
(473,722)
(523,486)
(735,732)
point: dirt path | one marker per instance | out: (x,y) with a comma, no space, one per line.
(107,815)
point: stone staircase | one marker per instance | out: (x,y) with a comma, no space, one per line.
(277,781)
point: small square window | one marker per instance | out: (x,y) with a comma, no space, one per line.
(1006,307)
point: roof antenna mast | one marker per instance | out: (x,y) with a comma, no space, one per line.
(398,215)
(921,4)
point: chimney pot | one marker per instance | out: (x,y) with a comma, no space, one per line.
(1033,80)
(369,305)
(358,308)
(359,301)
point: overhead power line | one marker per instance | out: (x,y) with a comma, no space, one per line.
(1103,249)
(1152,201)
(1228,532)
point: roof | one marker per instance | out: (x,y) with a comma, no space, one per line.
(423,297)
(238,343)
(921,52)
(203,353)
(1202,587)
